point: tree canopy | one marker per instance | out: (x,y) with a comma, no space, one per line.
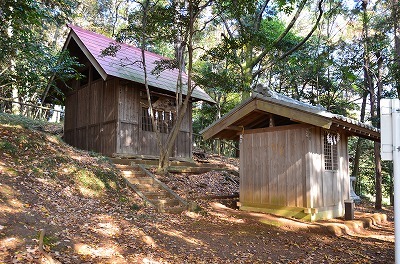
(343,55)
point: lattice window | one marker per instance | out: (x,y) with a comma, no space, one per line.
(164,120)
(331,141)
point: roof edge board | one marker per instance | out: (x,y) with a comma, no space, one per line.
(87,53)
(227,120)
(299,115)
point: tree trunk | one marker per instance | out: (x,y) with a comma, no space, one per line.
(181,106)
(391,188)
(146,9)
(396,31)
(378,176)
(374,99)
(16,107)
(377,145)
(357,155)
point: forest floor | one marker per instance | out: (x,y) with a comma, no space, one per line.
(89,216)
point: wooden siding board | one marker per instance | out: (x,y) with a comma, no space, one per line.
(82,106)
(94,138)
(302,175)
(256,175)
(272,164)
(95,102)
(279,153)
(110,103)
(264,170)
(128,134)
(183,143)
(108,138)
(292,149)
(294,175)
(70,111)
(69,136)
(246,190)
(273,191)
(241,171)
(81,138)
(345,169)
(128,101)
(190,107)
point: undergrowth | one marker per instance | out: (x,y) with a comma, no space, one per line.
(26,151)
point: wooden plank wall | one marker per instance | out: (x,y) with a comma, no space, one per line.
(95,115)
(110,117)
(70,119)
(105,116)
(128,119)
(91,116)
(328,189)
(183,144)
(273,167)
(314,168)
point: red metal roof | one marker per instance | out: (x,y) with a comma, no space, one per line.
(125,62)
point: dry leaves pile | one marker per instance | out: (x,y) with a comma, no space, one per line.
(210,184)
(90,216)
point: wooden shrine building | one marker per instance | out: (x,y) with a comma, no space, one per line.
(107,111)
(293,156)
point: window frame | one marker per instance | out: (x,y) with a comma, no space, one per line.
(330,150)
(164,120)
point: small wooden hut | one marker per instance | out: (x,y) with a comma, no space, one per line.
(293,156)
(107,111)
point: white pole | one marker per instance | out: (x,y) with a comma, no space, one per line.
(396,174)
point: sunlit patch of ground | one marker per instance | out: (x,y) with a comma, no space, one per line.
(40,185)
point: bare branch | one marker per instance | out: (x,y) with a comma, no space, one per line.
(291,24)
(301,43)
(259,18)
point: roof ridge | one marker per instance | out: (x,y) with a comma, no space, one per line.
(74,27)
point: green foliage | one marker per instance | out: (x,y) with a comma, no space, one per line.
(7,147)
(365,185)
(26,122)
(27,57)
(153,21)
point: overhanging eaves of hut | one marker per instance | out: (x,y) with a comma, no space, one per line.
(273,109)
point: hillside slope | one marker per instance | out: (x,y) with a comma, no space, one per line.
(47,184)
(89,216)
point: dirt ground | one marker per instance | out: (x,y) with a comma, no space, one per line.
(86,230)
(86,218)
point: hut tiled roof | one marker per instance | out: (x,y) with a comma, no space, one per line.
(260,104)
(320,110)
(125,62)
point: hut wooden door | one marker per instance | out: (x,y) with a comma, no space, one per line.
(331,182)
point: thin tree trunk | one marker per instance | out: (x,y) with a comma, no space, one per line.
(181,105)
(377,145)
(146,9)
(357,155)
(396,31)
(369,85)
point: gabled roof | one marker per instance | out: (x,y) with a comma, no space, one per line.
(255,112)
(125,62)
